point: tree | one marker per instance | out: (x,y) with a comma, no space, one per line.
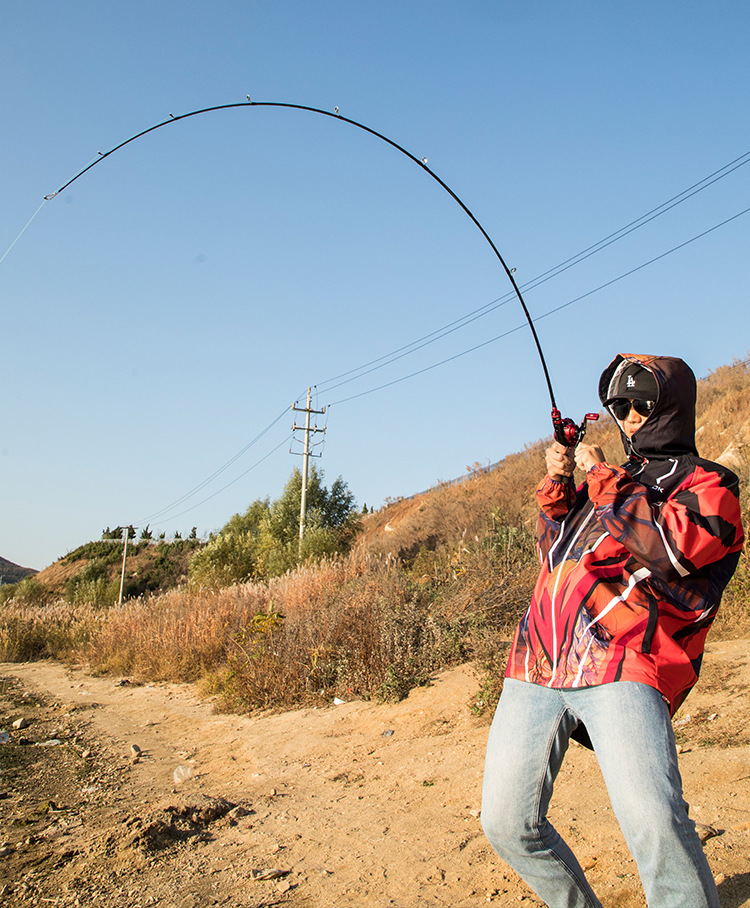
(264,541)
(325,508)
(329,528)
(231,556)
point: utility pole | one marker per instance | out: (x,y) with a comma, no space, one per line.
(126,533)
(308,430)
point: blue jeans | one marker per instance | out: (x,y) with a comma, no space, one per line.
(631,732)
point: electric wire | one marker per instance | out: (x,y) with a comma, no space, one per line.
(487,308)
(646,264)
(194,491)
(642,220)
(232,482)
(414,374)
(546,314)
(460,322)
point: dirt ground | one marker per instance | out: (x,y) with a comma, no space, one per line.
(133,795)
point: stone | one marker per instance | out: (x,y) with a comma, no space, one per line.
(182,774)
(238,812)
(706,832)
(271,873)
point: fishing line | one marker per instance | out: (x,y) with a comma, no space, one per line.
(23,229)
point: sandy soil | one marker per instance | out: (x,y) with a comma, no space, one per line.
(355,805)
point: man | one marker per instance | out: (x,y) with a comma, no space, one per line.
(634,563)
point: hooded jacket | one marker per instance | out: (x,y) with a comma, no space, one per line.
(634,562)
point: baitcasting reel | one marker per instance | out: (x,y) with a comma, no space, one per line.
(567,432)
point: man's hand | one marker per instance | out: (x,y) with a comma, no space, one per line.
(560,463)
(588,455)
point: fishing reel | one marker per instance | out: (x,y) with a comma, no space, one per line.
(567,432)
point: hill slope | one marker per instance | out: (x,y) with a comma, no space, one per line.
(454,513)
(12,573)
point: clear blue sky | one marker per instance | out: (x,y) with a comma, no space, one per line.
(170,305)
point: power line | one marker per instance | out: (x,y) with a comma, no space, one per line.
(549,312)
(177,502)
(414,374)
(463,321)
(439,333)
(236,479)
(419,372)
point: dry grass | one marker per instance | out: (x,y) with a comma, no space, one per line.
(433,580)
(58,630)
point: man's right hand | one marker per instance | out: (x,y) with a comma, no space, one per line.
(560,462)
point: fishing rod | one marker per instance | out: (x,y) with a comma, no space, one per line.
(567,431)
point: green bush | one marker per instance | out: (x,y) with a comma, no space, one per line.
(29,590)
(264,541)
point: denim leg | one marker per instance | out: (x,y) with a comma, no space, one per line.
(525,749)
(631,731)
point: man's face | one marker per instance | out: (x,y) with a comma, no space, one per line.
(631,414)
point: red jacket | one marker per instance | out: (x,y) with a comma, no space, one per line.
(634,562)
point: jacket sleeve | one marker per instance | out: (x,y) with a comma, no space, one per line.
(555,500)
(697,525)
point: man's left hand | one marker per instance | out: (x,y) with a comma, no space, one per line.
(587,456)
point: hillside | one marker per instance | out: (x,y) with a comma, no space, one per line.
(13,573)
(455,513)
(92,572)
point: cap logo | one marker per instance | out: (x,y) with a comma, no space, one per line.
(631,382)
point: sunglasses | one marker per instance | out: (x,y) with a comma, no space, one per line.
(621,407)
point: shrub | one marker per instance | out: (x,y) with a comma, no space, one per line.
(29,590)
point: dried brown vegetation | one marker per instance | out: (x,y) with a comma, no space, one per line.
(433,580)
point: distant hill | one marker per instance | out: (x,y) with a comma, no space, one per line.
(12,573)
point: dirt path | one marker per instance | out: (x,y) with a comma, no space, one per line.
(359,805)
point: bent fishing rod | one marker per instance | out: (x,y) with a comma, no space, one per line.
(567,431)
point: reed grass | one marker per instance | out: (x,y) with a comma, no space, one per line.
(432,581)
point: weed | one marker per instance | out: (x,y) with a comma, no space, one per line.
(430,582)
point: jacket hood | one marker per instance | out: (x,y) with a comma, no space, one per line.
(670,429)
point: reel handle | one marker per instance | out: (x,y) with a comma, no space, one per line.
(567,432)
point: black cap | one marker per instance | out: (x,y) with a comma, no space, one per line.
(634,382)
